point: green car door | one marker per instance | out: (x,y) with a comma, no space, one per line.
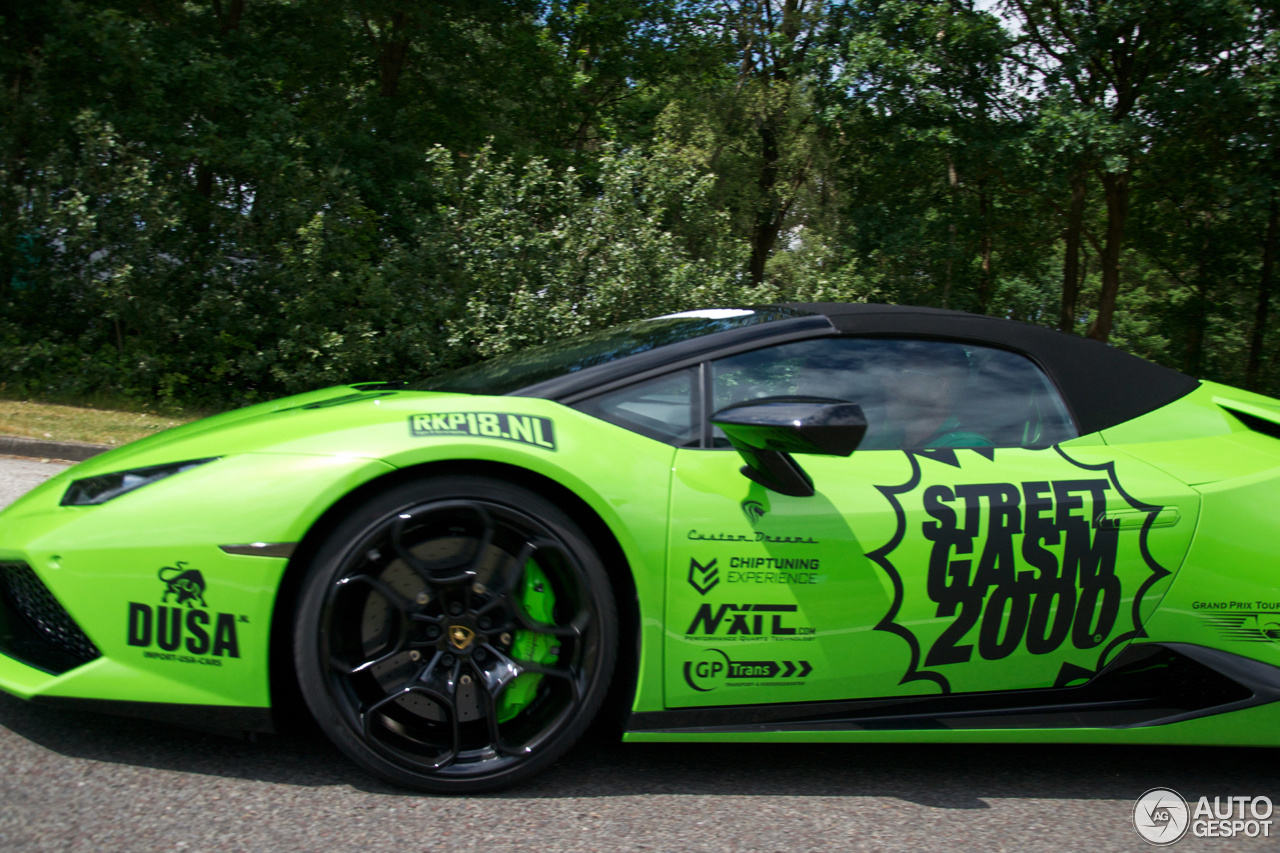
(972,542)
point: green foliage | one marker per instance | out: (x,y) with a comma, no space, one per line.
(213,203)
(557,254)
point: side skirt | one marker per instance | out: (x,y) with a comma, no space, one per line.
(1146,685)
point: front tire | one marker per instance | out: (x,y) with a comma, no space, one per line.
(455,635)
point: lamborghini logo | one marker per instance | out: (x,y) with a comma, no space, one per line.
(460,637)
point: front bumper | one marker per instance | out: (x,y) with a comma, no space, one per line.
(134,601)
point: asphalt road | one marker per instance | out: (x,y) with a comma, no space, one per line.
(17,476)
(73,781)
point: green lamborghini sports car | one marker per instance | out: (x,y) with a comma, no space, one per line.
(819,522)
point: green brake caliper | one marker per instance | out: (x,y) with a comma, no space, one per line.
(538,601)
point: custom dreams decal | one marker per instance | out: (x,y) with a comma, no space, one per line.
(991,571)
(180,628)
(525,429)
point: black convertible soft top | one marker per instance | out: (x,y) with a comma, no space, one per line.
(1102,385)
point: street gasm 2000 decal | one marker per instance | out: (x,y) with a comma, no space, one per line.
(1000,571)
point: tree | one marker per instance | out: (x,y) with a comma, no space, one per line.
(1099,75)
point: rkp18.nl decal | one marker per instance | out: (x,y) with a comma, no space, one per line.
(1013,568)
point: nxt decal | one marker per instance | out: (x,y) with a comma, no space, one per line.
(1013,568)
(714,669)
(180,628)
(728,622)
(1244,627)
(526,429)
(753,570)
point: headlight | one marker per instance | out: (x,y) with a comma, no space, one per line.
(92,491)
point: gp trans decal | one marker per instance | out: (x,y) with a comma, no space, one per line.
(180,628)
(731,622)
(525,429)
(755,570)
(1027,567)
(713,669)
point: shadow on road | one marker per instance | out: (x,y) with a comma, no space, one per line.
(941,776)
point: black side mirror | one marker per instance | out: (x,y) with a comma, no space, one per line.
(766,432)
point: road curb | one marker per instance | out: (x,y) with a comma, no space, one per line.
(35,448)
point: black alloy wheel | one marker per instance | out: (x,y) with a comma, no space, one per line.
(455,635)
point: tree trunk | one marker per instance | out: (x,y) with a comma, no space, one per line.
(1264,297)
(985,284)
(230,19)
(1071,260)
(764,233)
(391,42)
(1193,357)
(1116,187)
(203,212)
(953,181)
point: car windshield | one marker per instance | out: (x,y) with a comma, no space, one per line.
(516,370)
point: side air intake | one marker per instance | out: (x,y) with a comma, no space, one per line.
(35,628)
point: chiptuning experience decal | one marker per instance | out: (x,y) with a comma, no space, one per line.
(1026,567)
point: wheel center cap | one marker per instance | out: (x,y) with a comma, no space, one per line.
(461,637)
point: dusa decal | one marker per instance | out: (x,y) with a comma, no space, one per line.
(181,628)
(186,585)
(1004,570)
(714,669)
(525,429)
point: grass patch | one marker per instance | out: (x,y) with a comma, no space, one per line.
(74,423)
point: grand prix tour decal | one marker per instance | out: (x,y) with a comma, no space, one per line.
(525,429)
(1242,621)
(1012,568)
(180,627)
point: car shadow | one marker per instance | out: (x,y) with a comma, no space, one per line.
(949,776)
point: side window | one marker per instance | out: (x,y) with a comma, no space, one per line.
(661,408)
(916,394)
